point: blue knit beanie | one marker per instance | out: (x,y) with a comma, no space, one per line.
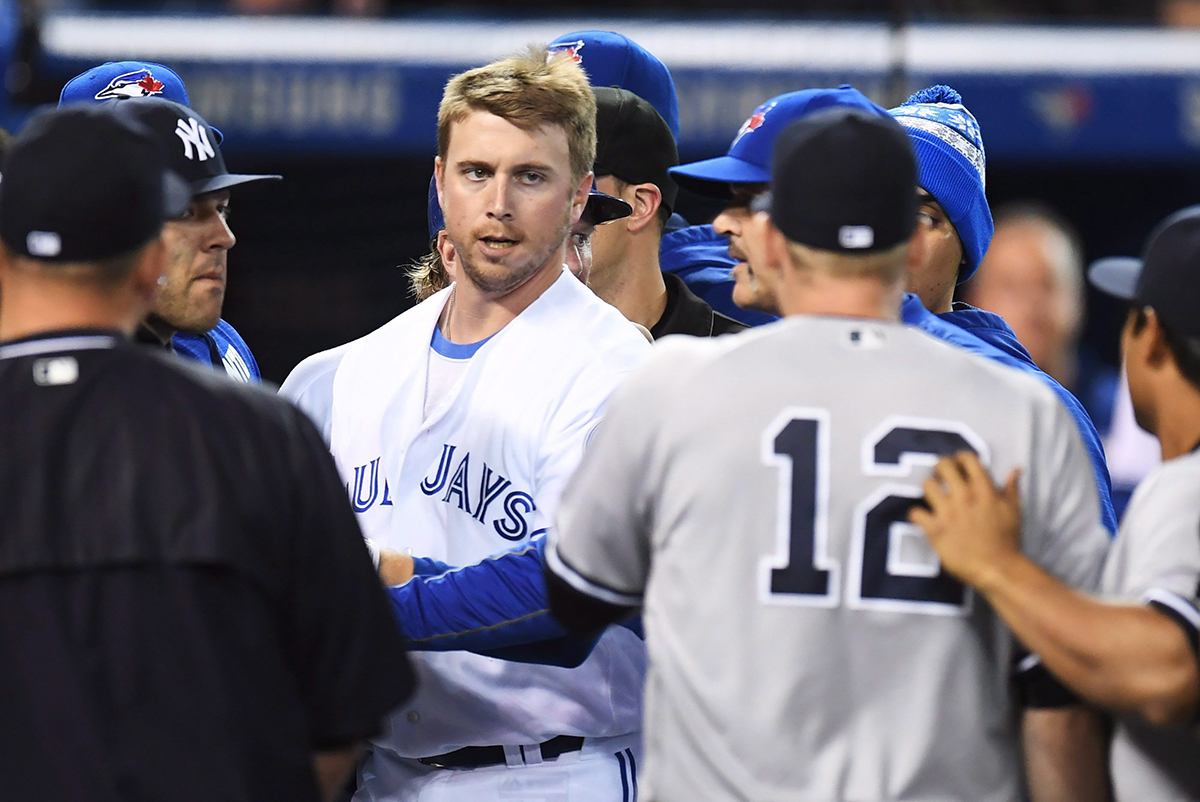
(945,137)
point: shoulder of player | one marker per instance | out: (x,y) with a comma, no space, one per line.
(1013,377)
(184,388)
(1172,484)
(319,368)
(571,322)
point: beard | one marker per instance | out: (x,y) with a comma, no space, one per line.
(498,279)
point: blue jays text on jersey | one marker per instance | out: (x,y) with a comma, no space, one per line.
(473,488)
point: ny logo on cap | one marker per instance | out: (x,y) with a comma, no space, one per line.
(194,138)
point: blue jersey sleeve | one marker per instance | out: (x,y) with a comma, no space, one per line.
(497,607)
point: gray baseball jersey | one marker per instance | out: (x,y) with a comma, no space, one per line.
(1156,559)
(752,493)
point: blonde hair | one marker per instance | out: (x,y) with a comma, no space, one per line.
(530,90)
(886,266)
(427,274)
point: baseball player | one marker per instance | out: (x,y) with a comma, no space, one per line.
(310,384)
(153,643)
(805,645)
(187,315)
(934,129)
(457,425)
(1136,654)
(696,254)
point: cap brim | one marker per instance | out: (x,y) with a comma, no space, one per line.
(219,182)
(604,208)
(712,177)
(1116,276)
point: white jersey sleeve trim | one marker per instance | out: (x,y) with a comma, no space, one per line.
(584,585)
(1186,609)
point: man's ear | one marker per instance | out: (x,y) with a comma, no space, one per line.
(151,265)
(445,249)
(1157,351)
(438,166)
(581,195)
(645,200)
(776,259)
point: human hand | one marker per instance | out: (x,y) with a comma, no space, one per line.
(395,568)
(974,526)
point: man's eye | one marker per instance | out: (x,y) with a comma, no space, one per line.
(224,211)
(475,174)
(926,218)
(532,178)
(579,239)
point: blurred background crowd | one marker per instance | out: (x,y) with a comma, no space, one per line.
(1089,110)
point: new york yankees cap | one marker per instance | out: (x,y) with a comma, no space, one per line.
(127,80)
(633,142)
(1166,277)
(843,180)
(194,151)
(749,158)
(86,183)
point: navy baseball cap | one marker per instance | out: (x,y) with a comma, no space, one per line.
(190,143)
(749,158)
(601,208)
(844,180)
(127,80)
(612,59)
(85,184)
(1166,278)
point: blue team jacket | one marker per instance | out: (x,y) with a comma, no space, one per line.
(700,256)
(223,348)
(991,329)
(499,607)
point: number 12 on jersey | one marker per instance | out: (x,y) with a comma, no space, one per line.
(882,573)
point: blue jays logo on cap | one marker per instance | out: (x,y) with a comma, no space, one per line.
(139,83)
(754,121)
(570,48)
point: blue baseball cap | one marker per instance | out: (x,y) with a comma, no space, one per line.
(127,80)
(601,208)
(749,158)
(612,59)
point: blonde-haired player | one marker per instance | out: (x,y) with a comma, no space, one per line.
(457,425)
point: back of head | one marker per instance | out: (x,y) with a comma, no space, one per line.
(529,91)
(633,143)
(843,193)
(85,185)
(612,59)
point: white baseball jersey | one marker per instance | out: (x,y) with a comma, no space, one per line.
(1156,559)
(483,471)
(804,641)
(310,386)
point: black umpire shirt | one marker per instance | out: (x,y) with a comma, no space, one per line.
(686,313)
(187,607)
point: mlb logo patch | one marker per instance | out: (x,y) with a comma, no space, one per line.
(139,83)
(856,237)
